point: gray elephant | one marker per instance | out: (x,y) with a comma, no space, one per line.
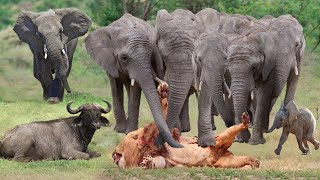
(211,62)
(126,50)
(299,122)
(52,37)
(265,60)
(211,70)
(175,36)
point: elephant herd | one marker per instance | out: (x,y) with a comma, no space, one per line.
(233,63)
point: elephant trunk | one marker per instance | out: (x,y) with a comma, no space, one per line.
(275,125)
(240,88)
(216,80)
(149,89)
(58,56)
(179,86)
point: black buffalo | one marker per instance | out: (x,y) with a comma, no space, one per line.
(65,138)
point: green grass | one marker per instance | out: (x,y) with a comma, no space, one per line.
(21,102)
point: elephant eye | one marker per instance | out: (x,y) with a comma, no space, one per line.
(124,58)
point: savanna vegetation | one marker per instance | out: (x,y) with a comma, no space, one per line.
(21,94)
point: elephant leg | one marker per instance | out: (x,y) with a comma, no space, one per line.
(264,101)
(205,133)
(42,72)
(56,91)
(305,144)
(184,116)
(283,139)
(309,136)
(71,47)
(213,113)
(299,134)
(292,83)
(118,108)
(229,105)
(314,142)
(133,108)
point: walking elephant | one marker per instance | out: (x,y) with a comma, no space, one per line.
(211,71)
(126,50)
(265,60)
(299,122)
(175,36)
(52,37)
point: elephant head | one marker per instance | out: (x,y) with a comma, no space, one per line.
(126,48)
(285,116)
(48,32)
(262,56)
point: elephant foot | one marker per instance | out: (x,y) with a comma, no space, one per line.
(185,129)
(306,153)
(277,151)
(130,130)
(257,140)
(53,100)
(214,127)
(316,147)
(120,128)
(243,136)
(206,140)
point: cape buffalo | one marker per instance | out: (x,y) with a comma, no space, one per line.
(65,138)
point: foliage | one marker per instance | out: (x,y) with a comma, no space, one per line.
(103,12)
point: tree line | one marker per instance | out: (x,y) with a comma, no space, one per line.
(103,12)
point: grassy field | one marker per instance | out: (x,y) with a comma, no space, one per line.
(21,102)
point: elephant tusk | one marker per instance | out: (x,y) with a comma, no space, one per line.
(296,70)
(252,95)
(45,51)
(63,51)
(132,82)
(200,85)
(227,88)
(224,97)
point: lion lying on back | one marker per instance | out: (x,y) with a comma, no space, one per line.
(138,149)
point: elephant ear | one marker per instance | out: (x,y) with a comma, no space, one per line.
(267,48)
(101,44)
(210,18)
(26,30)
(74,22)
(293,111)
(162,16)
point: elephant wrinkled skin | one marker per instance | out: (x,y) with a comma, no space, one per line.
(52,37)
(299,122)
(175,36)
(265,60)
(126,50)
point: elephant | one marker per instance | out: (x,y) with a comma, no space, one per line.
(52,37)
(299,122)
(175,36)
(211,70)
(265,60)
(126,50)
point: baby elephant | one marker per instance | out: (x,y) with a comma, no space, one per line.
(299,122)
(66,138)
